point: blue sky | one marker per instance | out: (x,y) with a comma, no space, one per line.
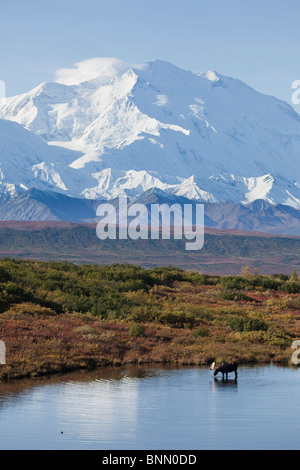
(257,41)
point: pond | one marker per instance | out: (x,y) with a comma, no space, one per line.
(151,408)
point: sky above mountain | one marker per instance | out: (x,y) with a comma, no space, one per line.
(257,41)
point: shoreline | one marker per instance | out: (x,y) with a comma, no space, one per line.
(111,367)
(8,375)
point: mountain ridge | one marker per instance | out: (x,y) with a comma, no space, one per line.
(258,216)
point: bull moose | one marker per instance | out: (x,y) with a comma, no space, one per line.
(225,368)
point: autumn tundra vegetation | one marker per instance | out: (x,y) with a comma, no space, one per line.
(59,316)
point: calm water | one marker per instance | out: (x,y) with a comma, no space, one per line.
(153,408)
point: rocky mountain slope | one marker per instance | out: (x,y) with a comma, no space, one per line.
(259,216)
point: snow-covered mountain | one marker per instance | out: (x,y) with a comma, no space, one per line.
(106,128)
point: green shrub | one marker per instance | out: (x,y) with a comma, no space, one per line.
(255,325)
(291,287)
(177,319)
(281,276)
(234,296)
(253,282)
(246,324)
(29,309)
(201,333)
(137,330)
(263,337)
(4,275)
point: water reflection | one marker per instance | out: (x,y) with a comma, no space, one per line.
(232,383)
(152,408)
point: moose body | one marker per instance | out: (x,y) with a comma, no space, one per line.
(225,369)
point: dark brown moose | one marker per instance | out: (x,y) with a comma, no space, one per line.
(225,368)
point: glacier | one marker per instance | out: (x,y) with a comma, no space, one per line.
(106,128)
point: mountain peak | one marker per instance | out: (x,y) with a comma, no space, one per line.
(101,69)
(211,75)
(260,205)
